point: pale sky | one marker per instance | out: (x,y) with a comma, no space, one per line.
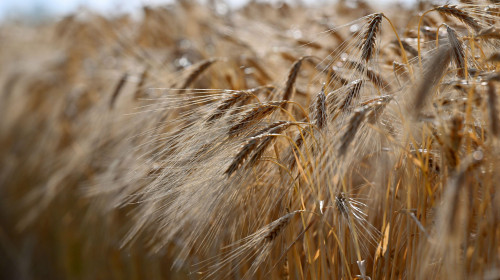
(60,7)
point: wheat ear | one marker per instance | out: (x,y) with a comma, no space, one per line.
(254,115)
(492,108)
(320,110)
(292,77)
(436,69)
(353,127)
(197,70)
(140,85)
(370,37)
(457,50)
(452,10)
(228,103)
(118,90)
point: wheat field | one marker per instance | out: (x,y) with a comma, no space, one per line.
(275,141)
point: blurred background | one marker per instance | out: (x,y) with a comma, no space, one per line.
(37,10)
